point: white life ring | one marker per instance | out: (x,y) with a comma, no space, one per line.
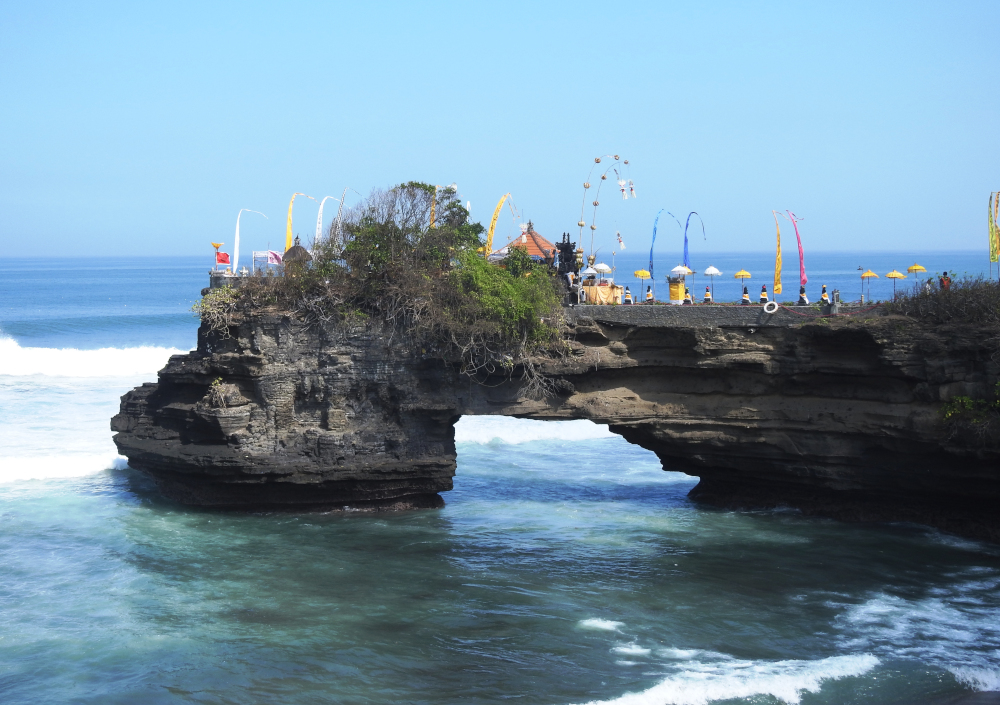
(771,307)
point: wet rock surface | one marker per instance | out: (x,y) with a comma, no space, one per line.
(836,418)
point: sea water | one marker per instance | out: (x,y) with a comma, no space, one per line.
(567,567)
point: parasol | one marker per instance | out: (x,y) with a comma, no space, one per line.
(869,275)
(914,268)
(681,270)
(712,272)
(602,268)
(588,271)
(642,274)
(894,275)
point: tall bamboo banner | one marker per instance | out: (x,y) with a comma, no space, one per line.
(656,222)
(687,259)
(777,257)
(994,227)
(236,247)
(319,218)
(488,250)
(802,258)
(288,229)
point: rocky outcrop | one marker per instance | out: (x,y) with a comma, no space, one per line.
(841,418)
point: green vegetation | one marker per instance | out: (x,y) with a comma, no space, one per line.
(981,417)
(387,267)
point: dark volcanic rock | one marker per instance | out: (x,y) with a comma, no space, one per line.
(840,418)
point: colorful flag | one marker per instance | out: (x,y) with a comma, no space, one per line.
(273,257)
(222,258)
(777,257)
(802,258)
(994,227)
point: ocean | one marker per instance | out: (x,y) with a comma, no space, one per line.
(567,567)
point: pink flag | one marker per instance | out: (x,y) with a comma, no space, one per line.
(802,260)
(222,258)
(273,257)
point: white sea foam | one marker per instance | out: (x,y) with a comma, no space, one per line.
(702,683)
(44,467)
(956,628)
(70,362)
(632,650)
(55,405)
(600,624)
(503,429)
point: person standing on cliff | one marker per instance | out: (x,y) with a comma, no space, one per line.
(944,282)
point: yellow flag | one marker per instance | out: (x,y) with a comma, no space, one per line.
(777,258)
(493,226)
(994,227)
(288,230)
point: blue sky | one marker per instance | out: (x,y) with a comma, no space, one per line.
(139,128)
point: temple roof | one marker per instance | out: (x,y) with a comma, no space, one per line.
(296,253)
(537,246)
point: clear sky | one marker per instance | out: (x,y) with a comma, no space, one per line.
(143,128)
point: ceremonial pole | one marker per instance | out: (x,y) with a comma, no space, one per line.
(319,218)
(288,229)
(236,247)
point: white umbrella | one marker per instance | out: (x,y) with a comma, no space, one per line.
(588,271)
(712,272)
(681,269)
(602,268)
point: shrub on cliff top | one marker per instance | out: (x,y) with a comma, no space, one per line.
(969,300)
(386,265)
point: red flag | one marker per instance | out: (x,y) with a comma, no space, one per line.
(222,258)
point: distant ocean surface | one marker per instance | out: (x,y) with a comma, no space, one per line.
(567,567)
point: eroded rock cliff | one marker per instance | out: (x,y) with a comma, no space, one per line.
(841,418)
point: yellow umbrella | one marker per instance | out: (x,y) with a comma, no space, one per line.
(894,275)
(742,274)
(914,268)
(869,275)
(641,274)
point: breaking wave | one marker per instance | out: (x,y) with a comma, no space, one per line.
(504,429)
(702,683)
(55,404)
(46,467)
(18,361)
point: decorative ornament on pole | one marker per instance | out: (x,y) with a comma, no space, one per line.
(623,182)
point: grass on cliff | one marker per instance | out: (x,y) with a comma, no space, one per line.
(968,300)
(385,266)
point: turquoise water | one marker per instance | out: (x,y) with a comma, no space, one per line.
(567,566)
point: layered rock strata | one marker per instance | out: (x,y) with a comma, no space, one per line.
(841,418)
